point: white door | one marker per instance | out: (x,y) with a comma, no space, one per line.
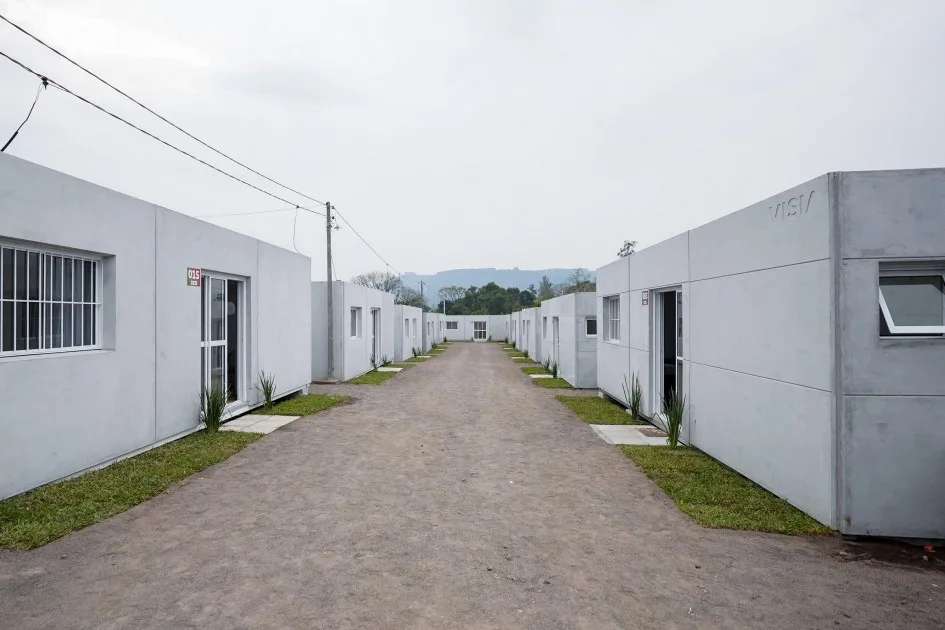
(479,331)
(554,340)
(222,356)
(376,334)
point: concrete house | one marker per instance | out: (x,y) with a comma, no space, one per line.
(408,331)
(569,337)
(807,334)
(431,330)
(105,301)
(466,327)
(530,332)
(498,327)
(363,326)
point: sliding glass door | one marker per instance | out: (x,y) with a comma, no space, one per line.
(222,353)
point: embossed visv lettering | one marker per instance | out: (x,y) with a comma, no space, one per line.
(791,207)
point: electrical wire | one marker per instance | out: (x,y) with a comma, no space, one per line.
(341,216)
(42,84)
(295,222)
(61,87)
(151,111)
(240,214)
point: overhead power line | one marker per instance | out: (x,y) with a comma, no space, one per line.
(59,86)
(180,129)
(340,216)
(240,214)
(151,111)
(42,84)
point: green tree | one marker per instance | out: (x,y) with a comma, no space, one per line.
(546,290)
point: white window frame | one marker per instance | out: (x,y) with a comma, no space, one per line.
(455,326)
(544,327)
(918,270)
(45,300)
(356,322)
(590,319)
(611,310)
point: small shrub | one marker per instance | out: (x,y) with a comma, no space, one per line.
(212,406)
(674,409)
(444,338)
(472,338)
(633,394)
(416,352)
(506,341)
(385,360)
(373,362)
(267,387)
(554,369)
(546,364)
(525,352)
(489,339)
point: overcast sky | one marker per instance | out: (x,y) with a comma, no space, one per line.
(481,133)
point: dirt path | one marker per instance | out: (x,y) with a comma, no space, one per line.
(456,495)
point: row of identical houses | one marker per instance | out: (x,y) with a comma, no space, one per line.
(806,333)
(115,314)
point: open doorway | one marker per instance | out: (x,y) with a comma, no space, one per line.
(668,360)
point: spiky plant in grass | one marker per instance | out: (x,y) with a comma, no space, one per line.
(633,394)
(385,360)
(373,361)
(267,387)
(444,338)
(674,410)
(554,369)
(416,352)
(525,352)
(212,406)
(506,341)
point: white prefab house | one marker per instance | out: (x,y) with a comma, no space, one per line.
(363,330)
(498,327)
(408,331)
(529,333)
(466,327)
(431,330)
(105,301)
(569,337)
(807,334)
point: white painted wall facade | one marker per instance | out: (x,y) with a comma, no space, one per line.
(353,345)
(431,330)
(565,339)
(408,331)
(150,326)
(465,326)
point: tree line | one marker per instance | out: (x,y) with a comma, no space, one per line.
(490,299)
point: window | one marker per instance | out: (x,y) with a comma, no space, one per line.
(590,327)
(544,327)
(49,302)
(911,302)
(406,327)
(612,318)
(452,325)
(355,322)
(414,327)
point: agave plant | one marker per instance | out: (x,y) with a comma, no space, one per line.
(385,360)
(267,387)
(554,369)
(212,406)
(416,352)
(525,352)
(674,409)
(373,361)
(546,364)
(633,394)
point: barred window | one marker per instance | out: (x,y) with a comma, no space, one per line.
(612,318)
(49,301)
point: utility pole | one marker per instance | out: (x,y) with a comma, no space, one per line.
(330,288)
(423,299)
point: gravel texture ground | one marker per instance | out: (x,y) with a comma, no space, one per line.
(455,495)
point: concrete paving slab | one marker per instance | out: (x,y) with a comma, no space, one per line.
(541,375)
(389,369)
(626,434)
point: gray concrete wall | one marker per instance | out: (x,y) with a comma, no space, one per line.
(432,332)
(892,430)
(78,402)
(407,332)
(498,327)
(757,345)
(613,357)
(576,354)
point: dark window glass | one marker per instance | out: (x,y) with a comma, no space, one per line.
(592,327)
(6,280)
(67,326)
(66,279)
(6,335)
(22,323)
(32,292)
(87,280)
(57,325)
(32,339)
(20,275)
(87,324)
(57,278)
(77,325)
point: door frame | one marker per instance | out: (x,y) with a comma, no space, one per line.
(657,375)
(484,330)
(241,388)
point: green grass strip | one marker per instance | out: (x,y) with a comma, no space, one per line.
(535,369)
(302,405)
(595,410)
(715,495)
(552,383)
(54,510)
(372,378)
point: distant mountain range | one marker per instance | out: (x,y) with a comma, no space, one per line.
(466,278)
